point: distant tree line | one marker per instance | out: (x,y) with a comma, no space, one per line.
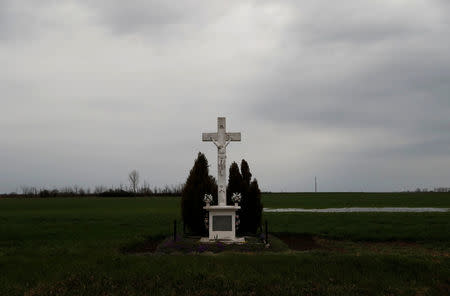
(99,191)
(133,190)
(442,189)
(437,189)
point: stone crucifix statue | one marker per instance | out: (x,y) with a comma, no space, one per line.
(221,139)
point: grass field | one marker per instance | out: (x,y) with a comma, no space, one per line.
(72,247)
(356,199)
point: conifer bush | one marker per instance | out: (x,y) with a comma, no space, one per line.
(198,183)
(234,182)
(253,208)
(250,213)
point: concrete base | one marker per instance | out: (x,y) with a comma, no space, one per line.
(222,223)
(237,240)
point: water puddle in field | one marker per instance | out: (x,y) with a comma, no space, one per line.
(356,210)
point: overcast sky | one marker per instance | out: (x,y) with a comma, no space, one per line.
(354,92)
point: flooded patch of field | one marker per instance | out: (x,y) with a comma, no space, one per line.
(357,210)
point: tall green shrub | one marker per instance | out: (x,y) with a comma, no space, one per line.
(254,207)
(246,175)
(198,183)
(250,213)
(234,182)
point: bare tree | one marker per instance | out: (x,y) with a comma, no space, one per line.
(99,189)
(145,189)
(29,190)
(133,177)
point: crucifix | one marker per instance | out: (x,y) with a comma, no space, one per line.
(221,139)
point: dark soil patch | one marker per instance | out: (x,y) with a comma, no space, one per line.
(278,242)
(192,245)
(298,242)
(148,246)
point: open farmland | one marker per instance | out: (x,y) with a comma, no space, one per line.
(73,247)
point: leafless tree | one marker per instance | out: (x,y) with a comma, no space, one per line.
(29,190)
(99,189)
(145,189)
(133,177)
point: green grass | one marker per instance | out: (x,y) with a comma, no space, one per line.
(72,247)
(417,227)
(356,199)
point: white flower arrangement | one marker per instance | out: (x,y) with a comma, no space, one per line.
(208,198)
(236,197)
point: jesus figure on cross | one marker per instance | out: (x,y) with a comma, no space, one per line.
(221,139)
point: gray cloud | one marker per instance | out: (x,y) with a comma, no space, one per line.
(374,73)
(158,20)
(355,93)
(12,21)
(23,20)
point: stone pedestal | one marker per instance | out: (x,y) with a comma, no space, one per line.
(222,224)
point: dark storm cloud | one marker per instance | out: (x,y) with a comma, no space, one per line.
(137,15)
(386,73)
(347,29)
(23,20)
(159,18)
(383,94)
(12,21)
(437,147)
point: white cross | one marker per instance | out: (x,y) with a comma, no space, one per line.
(221,139)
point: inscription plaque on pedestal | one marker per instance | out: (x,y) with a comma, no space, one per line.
(222,223)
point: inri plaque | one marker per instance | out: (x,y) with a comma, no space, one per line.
(222,223)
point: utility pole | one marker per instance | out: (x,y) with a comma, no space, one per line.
(315,184)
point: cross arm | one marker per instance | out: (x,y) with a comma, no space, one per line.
(234,137)
(209,137)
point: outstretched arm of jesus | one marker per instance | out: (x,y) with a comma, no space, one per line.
(228,141)
(215,143)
